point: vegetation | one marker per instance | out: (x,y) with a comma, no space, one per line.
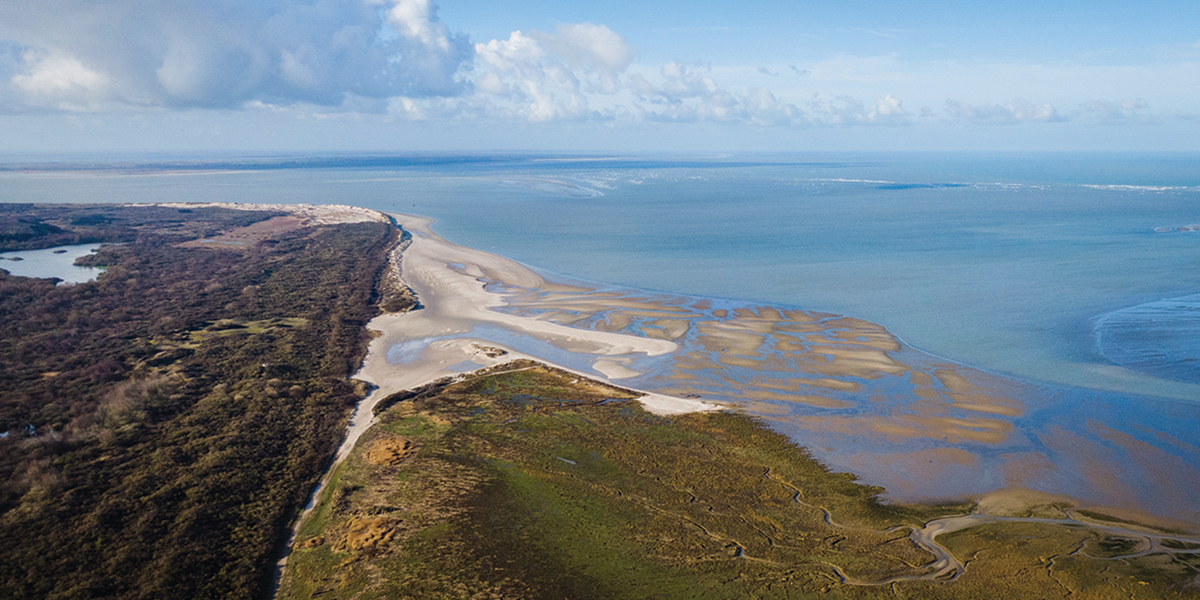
(32,227)
(164,422)
(527,482)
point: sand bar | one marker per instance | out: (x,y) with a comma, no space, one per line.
(451,283)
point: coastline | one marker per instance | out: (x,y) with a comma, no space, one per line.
(462,291)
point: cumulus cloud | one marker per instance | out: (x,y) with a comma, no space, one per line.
(225,53)
(1010,113)
(322,58)
(542,76)
(61,77)
(535,76)
(592,50)
(846,111)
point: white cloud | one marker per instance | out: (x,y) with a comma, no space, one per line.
(532,82)
(1010,113)
(536,76)
(1108,112)
(846,111)
(58,79)
(417,20)
(225,53)
(688,94)
(590,47)
(323,57)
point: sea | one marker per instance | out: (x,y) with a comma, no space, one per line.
(1075,275)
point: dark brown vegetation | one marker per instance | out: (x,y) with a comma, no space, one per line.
(165,421)
(397,297)
(31,227)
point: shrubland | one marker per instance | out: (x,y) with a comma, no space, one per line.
(164,423)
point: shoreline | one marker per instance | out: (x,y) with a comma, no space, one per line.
(945,410)
(452,281)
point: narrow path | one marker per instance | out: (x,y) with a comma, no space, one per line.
(946,567)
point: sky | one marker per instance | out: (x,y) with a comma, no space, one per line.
(623,75)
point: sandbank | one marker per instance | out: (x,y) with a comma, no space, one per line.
(451,282)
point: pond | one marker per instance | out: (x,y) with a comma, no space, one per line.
(52,262)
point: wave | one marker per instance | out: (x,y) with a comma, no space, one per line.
(1141,188)
(1160,338)
(884,184)
(921,186)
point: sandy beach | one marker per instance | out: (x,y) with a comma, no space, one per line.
(418,347)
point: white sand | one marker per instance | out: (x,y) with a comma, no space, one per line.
(614,369)
(448,281)
(323,214)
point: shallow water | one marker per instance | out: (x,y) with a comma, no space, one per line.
(920,426)
(1158,337)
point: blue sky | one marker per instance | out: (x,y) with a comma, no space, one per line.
(413,75)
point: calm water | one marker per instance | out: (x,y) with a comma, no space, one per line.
(52,262)
(1008,263)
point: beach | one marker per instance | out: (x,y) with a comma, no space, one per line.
(451,282)
(435,341)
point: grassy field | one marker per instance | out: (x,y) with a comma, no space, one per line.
(534,483)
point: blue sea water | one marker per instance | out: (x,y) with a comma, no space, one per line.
(1005,262)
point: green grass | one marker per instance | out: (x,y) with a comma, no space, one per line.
(529,485)
(228,327)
